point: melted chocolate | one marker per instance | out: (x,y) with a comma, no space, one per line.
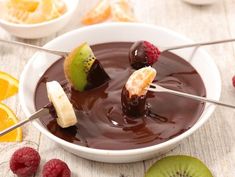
(134,106)
(101,122)
(93,80)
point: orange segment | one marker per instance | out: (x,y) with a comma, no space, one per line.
(34,11)
(7,119)
(8,86)
(44,12)
(140,80)
(60,6)
(121,11)
(25,5)
(99,13)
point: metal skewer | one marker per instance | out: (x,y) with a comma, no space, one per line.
(55,52)
(40,113)
(157,88)
(199,44)
(64,54)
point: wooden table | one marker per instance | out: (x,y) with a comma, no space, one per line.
(214,143)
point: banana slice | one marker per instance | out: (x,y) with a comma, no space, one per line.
(64,109)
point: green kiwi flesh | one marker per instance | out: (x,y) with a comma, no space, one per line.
(77,66)
(178,166)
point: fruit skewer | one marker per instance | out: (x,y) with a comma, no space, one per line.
(152,87)
(60,105)
(162,49)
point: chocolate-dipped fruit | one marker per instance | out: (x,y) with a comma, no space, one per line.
(133,96)
(61,104)
(83,70)
(143,53)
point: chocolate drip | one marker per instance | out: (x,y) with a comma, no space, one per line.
(133,106)
(96,76)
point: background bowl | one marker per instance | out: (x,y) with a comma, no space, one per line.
(32,31)
(112,33)
(201,2)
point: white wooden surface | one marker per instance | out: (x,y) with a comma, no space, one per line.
(214,143)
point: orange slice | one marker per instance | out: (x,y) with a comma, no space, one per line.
(8,86)
(25,5)
(121,11)
(60,6)
(99,13)
(34,11)
(140,80)
(42,13)
(7,119)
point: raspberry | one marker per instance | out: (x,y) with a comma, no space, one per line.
(233,80)
(143,53)
(24,162)
(56,168)
(152,52)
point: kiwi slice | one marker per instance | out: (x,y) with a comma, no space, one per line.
(78,67)
(178,166)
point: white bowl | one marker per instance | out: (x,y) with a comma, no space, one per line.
(109,33)
(201,2)
(32,31)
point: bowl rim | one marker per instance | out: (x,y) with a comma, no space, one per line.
(70,10)
(207,112)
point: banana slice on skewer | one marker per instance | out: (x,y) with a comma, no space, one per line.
(64,109)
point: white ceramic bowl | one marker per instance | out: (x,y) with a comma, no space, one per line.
(201,2)
(32,31)
(110,33)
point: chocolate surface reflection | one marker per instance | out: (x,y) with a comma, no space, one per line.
(103,125)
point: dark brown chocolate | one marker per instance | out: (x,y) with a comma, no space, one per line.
(93,80)
(134,106)
(101,122)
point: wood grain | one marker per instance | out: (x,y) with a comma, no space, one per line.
(214,143)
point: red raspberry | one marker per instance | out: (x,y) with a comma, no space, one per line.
(143,53)
(56,168)
(24,162)
(152,52)
(233,80)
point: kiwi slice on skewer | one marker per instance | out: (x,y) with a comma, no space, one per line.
(83,70)
(178,166)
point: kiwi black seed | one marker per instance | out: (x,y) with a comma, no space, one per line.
(178,166)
